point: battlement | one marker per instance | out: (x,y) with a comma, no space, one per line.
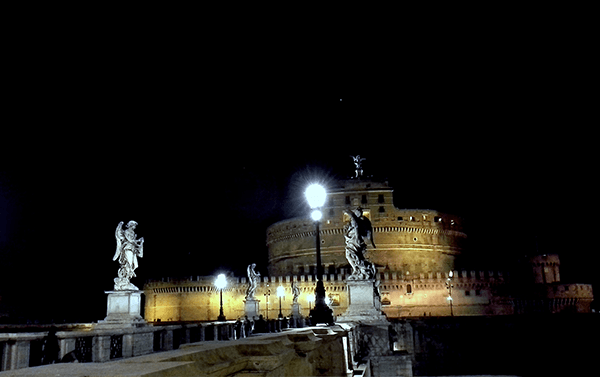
(206,283)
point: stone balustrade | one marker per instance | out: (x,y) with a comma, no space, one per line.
(88,343)
(327,351)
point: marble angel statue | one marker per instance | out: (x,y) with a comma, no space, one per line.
(295,291)
(357,231)
(128,250)
(253,280)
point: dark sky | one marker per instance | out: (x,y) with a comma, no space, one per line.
(205,157)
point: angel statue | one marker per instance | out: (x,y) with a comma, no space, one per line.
(357,231)
(253,280)
(128,249)
(295,291)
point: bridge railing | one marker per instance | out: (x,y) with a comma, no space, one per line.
(89,343)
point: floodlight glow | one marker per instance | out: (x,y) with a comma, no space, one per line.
(316,215)
(280,291)
(450,274)
(310,298)
(315,194)
(221,281)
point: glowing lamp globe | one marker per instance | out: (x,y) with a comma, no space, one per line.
(315,194)
(221,281)
(316,215)
(280,291)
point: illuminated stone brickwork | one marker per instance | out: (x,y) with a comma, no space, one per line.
(407,239)
(402,295)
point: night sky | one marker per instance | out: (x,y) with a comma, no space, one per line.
(206,162)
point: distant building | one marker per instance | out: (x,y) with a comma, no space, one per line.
(416,251)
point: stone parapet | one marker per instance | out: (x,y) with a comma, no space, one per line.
(301,352)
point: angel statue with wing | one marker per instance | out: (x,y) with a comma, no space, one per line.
(357,231)
(358,164)
(128,249)
(253,280)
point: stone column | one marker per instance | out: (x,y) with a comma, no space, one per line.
(101,348)
(19,354)
(128,345)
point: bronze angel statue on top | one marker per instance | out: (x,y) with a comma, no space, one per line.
(128,250)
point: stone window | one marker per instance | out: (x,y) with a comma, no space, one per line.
(364,199)
(478,292)
(467,293)
(399,218)
(408,289)
(381,209)
(348,200)
(380,199)
(412,218)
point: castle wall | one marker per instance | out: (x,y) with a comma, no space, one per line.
(474,293)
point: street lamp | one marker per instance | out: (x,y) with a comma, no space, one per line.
(220,283)
(316,195)
(280,294)
(449,287)
(267,294)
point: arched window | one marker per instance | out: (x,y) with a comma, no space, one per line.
(408,289)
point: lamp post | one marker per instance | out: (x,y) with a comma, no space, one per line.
(220,283)
(280,294)
(267,301)
(449,287)
(316,195)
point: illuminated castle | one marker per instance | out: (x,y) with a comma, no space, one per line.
(415,259)
(408,241)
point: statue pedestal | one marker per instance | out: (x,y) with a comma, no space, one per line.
(296,310)
(251,307)
(362,303)
(123,309)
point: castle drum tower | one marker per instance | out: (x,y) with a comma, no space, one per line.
(410,241)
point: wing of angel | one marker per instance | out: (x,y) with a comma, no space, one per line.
(120,237)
